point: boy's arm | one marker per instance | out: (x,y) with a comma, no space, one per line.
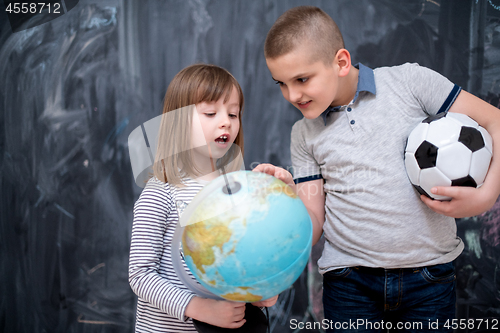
(311,193)
(468,201)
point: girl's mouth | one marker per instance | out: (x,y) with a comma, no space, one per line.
(222,139)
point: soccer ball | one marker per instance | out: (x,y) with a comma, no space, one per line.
(448,149)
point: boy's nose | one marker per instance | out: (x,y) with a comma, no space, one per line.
(294,95)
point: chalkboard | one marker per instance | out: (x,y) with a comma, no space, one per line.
(72,89)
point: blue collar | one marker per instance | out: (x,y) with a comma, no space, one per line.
(366,82)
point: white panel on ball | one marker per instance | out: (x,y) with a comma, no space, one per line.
(443,131)
(488,141)
(417,136)
(433,177)
(478,167)
(462,118)
(412,168)
(454,160)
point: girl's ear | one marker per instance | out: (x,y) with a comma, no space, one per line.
(343,62)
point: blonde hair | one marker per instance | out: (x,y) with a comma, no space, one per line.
(192,85)
(304,25)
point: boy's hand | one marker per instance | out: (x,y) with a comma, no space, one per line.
(311,193)
(280,173)
(465,202)
(266,303)
(217,312)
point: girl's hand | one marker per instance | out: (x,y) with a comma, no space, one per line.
(214,312)
(266,303)
(280,173)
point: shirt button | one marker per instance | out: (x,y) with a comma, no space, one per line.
(352,122)
(349,109)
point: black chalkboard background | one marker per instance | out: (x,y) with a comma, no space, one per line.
(72,89)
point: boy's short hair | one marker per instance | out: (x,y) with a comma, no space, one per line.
(301,25)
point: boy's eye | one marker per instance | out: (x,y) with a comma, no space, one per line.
(279,82)
(303,79)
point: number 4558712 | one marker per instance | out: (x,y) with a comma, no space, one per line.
(472,324)
(33,7)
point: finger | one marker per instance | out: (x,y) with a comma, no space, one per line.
(447,191)
(238,310)
(237,324)
(440,207)
(284,176)
(270,169)
(241,305)
(270,302)
(240,316)
(280,175)
(259,168)
(239,313)
(430,202)
(272,299)
(265,168)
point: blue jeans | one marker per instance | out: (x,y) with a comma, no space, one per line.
(361,299)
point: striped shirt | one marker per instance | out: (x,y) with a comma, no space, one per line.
(162,298)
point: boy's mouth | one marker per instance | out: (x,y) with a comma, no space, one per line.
(304,104)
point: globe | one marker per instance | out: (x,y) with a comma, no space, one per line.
(247,236)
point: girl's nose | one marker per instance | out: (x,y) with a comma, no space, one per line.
(224,121)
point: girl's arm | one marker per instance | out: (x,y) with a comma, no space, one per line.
(146,251)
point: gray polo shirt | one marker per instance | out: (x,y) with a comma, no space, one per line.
(374,216)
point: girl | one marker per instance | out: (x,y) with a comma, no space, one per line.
(201,121)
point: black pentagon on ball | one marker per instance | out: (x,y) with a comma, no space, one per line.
(471,138)
(465,181)
(421,191)
(434,117)
(426,155)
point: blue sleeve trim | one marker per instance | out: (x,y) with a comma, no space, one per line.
(307,179)
(451,98)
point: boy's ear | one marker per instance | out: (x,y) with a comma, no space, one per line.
(343,62)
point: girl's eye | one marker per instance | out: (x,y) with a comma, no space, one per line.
(210,114)
(233,115)
(303,79)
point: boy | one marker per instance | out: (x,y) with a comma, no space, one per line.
(388,255)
